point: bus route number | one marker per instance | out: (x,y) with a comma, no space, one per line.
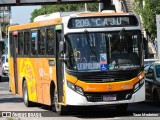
(82,23)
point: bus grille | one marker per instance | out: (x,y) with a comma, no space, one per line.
(105,78)
(98,97)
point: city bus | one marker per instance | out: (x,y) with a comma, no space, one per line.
(78,59)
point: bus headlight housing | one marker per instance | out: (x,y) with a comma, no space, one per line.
(70,85)
(138,85)
(75,88)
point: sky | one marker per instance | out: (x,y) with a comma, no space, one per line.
(22,14)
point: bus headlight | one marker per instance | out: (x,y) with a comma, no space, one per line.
(70,85)
(142,81)
(75,88)
(79,90)
(138,85)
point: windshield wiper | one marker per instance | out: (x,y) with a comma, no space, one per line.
(117,37)
(92,48)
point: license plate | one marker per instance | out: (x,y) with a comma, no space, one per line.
(109,97)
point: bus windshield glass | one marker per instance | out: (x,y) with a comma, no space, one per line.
(103,51)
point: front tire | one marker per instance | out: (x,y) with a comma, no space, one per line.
(25,95)
(60,109)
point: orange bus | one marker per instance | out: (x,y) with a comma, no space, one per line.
(78,59)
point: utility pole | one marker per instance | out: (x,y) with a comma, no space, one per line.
(85,7)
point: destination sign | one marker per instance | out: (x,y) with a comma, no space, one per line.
(93,22)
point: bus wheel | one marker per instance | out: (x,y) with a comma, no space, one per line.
(25,95)
(156,98)
(122,107)
(60,109)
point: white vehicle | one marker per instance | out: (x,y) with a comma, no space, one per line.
(5,68)
(149,61)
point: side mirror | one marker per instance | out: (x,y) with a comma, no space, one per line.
(62,50)
(61,47)
(150,76)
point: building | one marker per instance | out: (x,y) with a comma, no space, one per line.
(5,14)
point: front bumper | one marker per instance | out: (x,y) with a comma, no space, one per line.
(73,98)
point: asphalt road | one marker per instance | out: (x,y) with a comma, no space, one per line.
(14,104)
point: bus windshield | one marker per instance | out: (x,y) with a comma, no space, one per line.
(103,51)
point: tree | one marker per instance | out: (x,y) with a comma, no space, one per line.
(47,9)
(148,13)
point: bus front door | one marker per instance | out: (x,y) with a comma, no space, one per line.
(15,52)
(59,67)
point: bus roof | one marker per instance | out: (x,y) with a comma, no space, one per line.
(58,20)
(64,14)
(101,14)
(35,24)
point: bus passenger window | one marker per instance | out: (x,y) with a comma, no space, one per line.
(50,42)
(20,43)
(11,43)
(41,42)
(26,43)
(34,43)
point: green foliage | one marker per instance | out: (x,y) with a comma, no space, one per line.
(148,13)
(137,6)
(47,9)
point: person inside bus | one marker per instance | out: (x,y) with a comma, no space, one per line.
(81,47)
(119,49)
(121,56)
(119,53)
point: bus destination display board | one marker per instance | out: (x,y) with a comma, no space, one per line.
(94,22)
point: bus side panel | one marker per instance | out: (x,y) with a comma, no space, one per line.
(40,81)
(44,81)
(50,69)
(26,69)
(47,77)
(47,73)
(11,76)
(44,73)
(20,76)
(38,75)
